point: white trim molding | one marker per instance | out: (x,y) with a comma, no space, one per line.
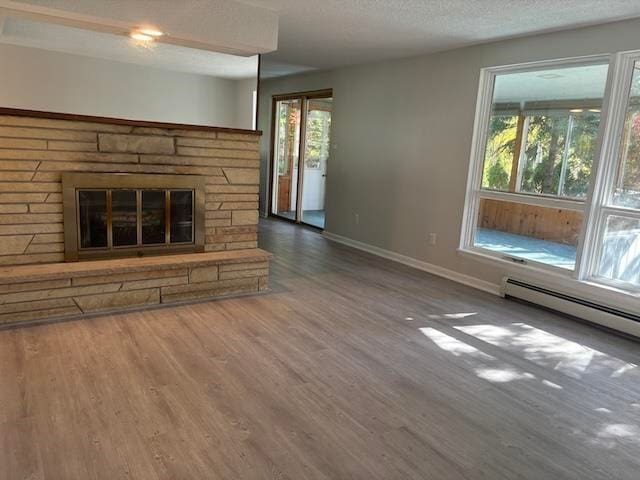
(467,280)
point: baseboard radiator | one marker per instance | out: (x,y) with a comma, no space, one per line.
(594,312)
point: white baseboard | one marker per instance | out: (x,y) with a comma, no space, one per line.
(415,263)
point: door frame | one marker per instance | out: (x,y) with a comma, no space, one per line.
(304,97)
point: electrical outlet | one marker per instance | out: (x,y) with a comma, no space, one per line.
(356,218)
(432,238)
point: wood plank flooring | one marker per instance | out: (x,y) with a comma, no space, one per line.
(352,367)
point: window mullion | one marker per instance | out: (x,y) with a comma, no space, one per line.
(620,212)
(565,157)
(523,152)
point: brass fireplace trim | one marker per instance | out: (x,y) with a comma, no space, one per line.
(72,182)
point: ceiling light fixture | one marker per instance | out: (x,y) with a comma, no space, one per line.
(141,37)
(152,32)
(576,110)
(594,110)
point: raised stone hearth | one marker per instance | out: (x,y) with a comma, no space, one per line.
(37,148)
(39,292)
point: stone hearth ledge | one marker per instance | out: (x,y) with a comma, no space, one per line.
(35,293)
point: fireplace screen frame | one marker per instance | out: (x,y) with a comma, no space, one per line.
(73,182)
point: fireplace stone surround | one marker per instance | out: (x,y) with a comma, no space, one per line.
(37,148)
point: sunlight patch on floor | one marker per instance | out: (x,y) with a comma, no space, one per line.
(454,316)
(502,375)
(549,350)
(484,365)
(610,435)
(453,345)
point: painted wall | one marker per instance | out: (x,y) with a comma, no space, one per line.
(402,138)
(51,81)
(244,102)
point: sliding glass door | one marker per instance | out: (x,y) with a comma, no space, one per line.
(286,155)
(301,148)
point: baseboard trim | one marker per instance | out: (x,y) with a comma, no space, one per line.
(468,280)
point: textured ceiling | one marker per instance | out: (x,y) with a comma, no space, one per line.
(219,25)
(60,38)
(323,34)
(331,33)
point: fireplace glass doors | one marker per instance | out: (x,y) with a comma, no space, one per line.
(123,215)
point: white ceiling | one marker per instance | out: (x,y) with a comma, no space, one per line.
(59,38)
(331,33)
(228,26)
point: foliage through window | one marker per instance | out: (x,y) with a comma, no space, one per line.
(627,191)
(288,127)
(318,135)
(557,148)
(499,153)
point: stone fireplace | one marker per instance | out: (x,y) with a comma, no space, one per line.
(99,214)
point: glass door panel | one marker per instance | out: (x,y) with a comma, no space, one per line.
(286,157)
(124,213)
(92,211)
(181,205)
(316,156)
(153,217)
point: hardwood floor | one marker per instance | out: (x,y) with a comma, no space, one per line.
(352,367)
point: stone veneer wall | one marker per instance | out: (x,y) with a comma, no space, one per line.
(35,151)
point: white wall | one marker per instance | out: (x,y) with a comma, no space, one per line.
(59,82)
(244,102)
(402,137)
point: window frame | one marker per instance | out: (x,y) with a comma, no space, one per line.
(602,207)
(474,191)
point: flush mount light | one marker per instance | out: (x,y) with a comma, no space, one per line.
(145,34)
(141,37)
(151,32)
(594,110)
(576,110)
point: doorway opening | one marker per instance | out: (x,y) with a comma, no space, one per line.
(301,147)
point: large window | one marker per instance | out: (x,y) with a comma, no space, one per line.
(555,179)
(541,138)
